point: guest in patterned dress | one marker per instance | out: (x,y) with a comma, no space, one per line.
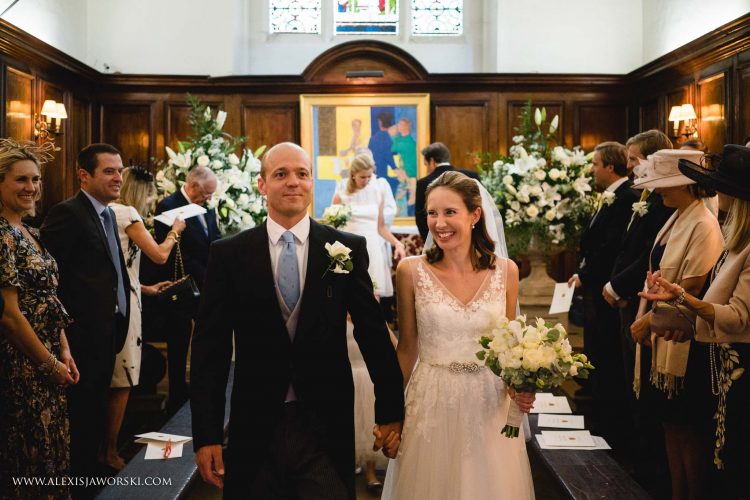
(35,361)
(136,196)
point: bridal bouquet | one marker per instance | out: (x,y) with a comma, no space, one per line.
(540,188)
(530,357)
(337,215)
(237,200)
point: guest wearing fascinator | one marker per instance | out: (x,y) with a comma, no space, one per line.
(137,195)
(36,364)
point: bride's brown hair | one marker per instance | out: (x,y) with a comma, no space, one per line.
(483,256)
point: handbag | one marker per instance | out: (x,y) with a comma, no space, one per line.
(669,317)
(183,294)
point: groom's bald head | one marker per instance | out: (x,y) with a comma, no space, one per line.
(280,151)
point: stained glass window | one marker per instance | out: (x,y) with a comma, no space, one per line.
(437,17)
(365,17)
(294,16)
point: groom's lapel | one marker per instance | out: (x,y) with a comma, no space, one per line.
(312,295)
(258,261)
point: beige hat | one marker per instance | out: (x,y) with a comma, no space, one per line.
(661,169)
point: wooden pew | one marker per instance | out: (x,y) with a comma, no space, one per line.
(585,474)
(181,474)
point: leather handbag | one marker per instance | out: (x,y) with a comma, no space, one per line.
(668,317)
(183,294)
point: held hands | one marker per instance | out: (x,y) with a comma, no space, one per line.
(211,464)
(387,437)
(62,376)
(524,400)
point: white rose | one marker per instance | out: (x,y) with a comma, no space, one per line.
(497,344)
(202,161)
(554,174)
(218,165)
(532,359)
(508,180)
(550,214)
(233,160)
(338,249)
(532,211)
(540,174)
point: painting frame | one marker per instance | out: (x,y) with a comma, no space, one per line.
(316,138)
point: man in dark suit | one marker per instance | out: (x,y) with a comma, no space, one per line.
(628,274)
(437,158)
(81,234)
(200,231)
(600,244)
(274,291)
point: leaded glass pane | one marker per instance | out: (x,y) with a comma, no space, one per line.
(365,17)
(437,17)
(294,16)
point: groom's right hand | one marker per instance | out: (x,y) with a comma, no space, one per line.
(211,464)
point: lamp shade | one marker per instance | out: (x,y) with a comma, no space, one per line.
(675,114)
(688,112)
(49,108)
(61,113)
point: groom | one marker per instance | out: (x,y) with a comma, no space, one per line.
(291,432)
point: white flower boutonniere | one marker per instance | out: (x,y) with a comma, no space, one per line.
(608,198)
(340,261)
(640,208)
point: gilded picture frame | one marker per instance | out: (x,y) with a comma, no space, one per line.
(394,127)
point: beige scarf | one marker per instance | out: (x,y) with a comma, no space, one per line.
(693,246)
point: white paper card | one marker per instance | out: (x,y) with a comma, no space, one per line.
(547,403)
(185,212)
(160,436)
(561,421)
(155,450)
(599,444)
(568,438)
(562,298)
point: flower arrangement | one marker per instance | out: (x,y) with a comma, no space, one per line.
(337,215)
(541,188)
(340,262)
(530,357)
(237,200)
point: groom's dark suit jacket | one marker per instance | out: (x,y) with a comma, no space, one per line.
(419,201)
(240,297)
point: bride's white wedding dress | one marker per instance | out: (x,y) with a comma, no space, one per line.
(451,446)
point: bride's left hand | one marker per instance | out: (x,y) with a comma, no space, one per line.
(524,400)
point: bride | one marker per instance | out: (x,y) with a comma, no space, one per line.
(452,447)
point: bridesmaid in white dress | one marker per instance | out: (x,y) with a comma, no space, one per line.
(366,202)
(136,194)
(452,447)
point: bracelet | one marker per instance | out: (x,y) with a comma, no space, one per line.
(171,237)
(174,235)
(48,367)
(680,298)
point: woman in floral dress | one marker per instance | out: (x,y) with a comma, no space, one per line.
(35,361)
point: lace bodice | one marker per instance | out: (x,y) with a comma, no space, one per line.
(448,329)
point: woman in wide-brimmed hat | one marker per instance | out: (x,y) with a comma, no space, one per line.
(684,251)
(723,321)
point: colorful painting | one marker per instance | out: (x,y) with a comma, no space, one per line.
(365,17)
(392,127)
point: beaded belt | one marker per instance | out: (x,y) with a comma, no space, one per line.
(458,367)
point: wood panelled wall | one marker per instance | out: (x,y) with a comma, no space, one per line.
(470,113)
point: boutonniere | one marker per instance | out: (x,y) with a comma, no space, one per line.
(608,198)
(339,260)
(640,208)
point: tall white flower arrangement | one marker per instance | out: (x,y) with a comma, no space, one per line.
(237,200)
(540,188)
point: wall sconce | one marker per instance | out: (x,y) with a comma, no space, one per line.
(50,122)
(685,113)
